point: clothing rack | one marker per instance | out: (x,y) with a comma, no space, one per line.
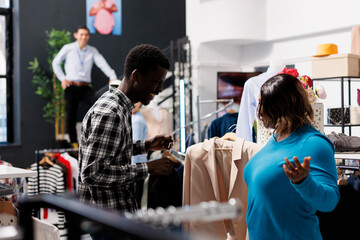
(198,102)
(83,218)
(229,103)
(37,159)
(205,212)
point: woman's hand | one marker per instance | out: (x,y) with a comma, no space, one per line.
(298,172)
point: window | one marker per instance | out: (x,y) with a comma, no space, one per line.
(5,71)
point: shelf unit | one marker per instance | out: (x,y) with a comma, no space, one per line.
(347,156)
(342,80)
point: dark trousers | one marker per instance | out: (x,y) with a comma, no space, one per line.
(73,96)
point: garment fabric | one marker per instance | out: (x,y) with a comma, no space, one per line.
(344,143)
(355,41)
(51,182)
(354,182)
(341,223)
(222,125)
(79,62)
(104,19)
(164,191)
(190,140)
(74,164)
(140,131)
(107,177)
(157,120)
(68,182)
(279,209)
(248,104)
(44,230)
(209,173)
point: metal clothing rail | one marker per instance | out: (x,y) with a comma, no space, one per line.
(205,212)
(82,218)
(229,101)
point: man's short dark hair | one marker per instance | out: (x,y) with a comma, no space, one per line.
(145,57)
(81,27)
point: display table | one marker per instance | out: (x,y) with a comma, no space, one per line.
(14,172)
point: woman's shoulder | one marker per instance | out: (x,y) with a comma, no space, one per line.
(314,137)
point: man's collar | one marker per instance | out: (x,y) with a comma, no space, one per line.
(123,97)
(78,46)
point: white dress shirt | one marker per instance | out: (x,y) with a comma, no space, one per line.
(78,63)
(248,105)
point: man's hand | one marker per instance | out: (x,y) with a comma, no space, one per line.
(159,142)
(162,166)
(64,84)
(299,172)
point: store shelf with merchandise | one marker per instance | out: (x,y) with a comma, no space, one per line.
(345,83)
(348,156)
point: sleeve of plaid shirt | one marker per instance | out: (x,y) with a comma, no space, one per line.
(139,147)
(105,155)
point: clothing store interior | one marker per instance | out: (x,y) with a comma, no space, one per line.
(181,119)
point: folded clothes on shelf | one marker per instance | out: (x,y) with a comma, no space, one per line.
(344,143)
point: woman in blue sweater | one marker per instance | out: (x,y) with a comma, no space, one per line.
(294,174)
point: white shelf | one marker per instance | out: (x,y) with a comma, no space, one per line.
(14,172)
(350,155)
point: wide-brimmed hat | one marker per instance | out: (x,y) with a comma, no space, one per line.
(326,49)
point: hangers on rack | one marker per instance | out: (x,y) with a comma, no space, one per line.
(229,103)
(59,150)
(46,160)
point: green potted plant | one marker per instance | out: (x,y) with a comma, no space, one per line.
(47,85)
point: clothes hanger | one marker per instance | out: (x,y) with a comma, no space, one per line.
(229,136)
(46,160)
(231,110)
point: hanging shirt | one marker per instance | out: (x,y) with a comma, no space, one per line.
(157,120)
(79,62)
(74,164)
(51,182)
(248,104)
(222,125)
(69,182)
(140,132)
(217,175)
(279,209)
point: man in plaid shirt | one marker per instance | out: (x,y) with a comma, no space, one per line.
(107,177)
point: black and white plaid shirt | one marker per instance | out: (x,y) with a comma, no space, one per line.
(107,178)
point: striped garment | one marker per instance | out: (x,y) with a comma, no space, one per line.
(51,182)
(107,177)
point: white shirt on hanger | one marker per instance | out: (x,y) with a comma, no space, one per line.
(249,101)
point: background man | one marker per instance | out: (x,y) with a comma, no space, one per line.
(79,58)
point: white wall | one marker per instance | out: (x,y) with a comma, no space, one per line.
(238,35)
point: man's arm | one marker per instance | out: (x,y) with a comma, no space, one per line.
(100,160)
(103,65)
(56,63)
